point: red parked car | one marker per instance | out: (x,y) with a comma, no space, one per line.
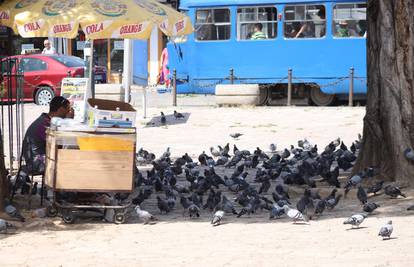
(43,75)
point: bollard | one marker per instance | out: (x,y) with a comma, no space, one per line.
(231,76)
(144,102)
(289,96)
(174,87)
(351,87)
(120,75)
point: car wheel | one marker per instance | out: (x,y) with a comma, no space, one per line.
(44,95)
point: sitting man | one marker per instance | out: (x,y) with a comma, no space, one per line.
(34,142)
(258,34)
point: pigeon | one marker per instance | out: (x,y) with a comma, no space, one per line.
(276,211)
(273,148)
(332,200)
(285,154)
(409,155)
(144,215)
(13,212)
(4,226)
(178,115)
(386,230)
(352,182)
(294,214)
(410,207)
(194,211)
(362,195)
(236,135)
(355,220)
(214,152)
(375,188)
(163,205)
(227,206)
(218,216)
(393,191)
(370,207)
(163,118)
(320,207)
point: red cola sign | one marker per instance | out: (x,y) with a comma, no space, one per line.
(94,28)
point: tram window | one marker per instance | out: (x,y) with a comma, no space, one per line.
(212,24)
(305,21)
(350,20)
(256,23)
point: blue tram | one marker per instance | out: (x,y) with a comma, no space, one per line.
(259,40)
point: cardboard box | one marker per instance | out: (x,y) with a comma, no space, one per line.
(108,113)
(92,169)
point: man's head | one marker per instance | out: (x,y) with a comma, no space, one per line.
(59,107)
(258,27)
(46,43)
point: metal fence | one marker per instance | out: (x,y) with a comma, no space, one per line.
(12,111)
(290,81)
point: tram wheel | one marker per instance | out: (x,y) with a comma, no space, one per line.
(319,98)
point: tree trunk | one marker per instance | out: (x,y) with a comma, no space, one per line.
(389,120)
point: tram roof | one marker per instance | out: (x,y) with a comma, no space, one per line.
(184,4)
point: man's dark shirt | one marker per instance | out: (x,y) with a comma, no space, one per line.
(36,136)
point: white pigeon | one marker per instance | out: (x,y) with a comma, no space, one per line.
(218,216)
(214,152)
(355,220)
(294,214)
(386,230)
(144,215)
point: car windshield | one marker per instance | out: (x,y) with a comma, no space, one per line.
(69,61)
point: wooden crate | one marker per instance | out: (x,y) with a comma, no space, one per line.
(70,169)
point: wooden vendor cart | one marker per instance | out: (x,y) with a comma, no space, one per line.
(96,160)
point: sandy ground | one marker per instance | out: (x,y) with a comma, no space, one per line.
(248,241)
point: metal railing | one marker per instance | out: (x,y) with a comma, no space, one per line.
(290,78)
(11,97)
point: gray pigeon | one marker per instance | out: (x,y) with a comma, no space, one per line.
(13,212)
(393,191)
(4,226)
(362,195)
(352,182)
(227,206)
(194,211)
(163,119)
(410,207)
(178,115)
(273,148)
(218,216)
(355,220)
(276,211)
(144,215)
(370,207)
(386,230)
(236,135)
(409,154)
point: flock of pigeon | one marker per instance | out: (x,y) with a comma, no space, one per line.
(303,165)
(196,184)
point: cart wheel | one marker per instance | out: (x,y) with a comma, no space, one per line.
(51,211)
(119,218)
(68,217)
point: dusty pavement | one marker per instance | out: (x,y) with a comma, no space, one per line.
(249,241)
